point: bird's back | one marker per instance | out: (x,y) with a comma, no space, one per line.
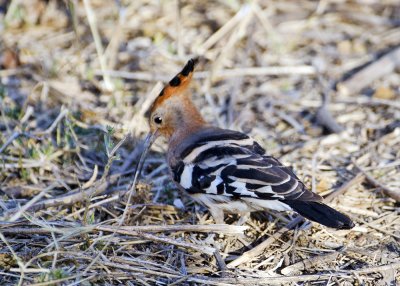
(224,162)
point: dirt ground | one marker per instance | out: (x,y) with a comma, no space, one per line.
(316,83)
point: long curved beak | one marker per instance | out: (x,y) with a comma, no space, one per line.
(148,141)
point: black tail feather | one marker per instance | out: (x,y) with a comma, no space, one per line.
(321,213)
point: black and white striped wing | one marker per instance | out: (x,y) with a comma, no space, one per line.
(231,164)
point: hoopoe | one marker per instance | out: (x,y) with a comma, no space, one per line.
(226,170)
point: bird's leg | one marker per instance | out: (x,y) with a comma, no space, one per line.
(243,218)
(218,215)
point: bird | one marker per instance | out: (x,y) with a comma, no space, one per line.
(226,170)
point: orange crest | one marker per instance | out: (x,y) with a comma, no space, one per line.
(178,84)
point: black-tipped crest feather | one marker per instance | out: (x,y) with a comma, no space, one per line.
(189,67)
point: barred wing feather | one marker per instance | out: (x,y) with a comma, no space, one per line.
(230,163)
(229,169)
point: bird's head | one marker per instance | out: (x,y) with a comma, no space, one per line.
(173,108)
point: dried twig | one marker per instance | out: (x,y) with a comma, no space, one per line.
(97,40)
(14,136)
(387,191)
(323,115)
(203,249)
(375,70)
(310,262)
(218,35)
(214,228)
(28,205)
(208,228)
(343,188)
(256,251)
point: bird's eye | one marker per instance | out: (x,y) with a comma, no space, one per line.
(157,120)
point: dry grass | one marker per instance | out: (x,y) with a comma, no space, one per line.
(76,79)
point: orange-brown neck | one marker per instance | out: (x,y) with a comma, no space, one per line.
(188,120)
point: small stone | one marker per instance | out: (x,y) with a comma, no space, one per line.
(323,185)
(384,93)
(344,47)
